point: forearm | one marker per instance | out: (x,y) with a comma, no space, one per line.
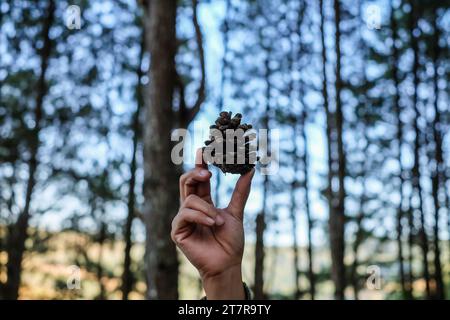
(225,286)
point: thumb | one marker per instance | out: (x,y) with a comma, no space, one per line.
(240,194)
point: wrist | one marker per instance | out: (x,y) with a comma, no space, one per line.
(226,285)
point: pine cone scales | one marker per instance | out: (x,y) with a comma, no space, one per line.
(240,156)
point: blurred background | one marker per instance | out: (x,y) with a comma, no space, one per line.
(90,92)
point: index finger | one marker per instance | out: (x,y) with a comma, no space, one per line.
(199,163)
(240,194)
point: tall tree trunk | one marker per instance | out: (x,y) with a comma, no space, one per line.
(411,235)
(258,286)
(337,220)
(304,158)
(359,237)
(99,271)
(261,217)
(305,161)
(160,174)
(328,114)
(418,137)
(127,277)
(19,234)
(356,244)
(293,216)
(438,176)
(406,292)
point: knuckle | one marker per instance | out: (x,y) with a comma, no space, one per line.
(183,177)
(172,233)
(191,198)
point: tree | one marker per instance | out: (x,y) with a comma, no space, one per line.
(18,236)
(337,216)
(415,171)
(399,137)
(127,277)
(160,174)
(261,217)
(438,176)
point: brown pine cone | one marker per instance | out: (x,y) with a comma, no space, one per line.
(241,145)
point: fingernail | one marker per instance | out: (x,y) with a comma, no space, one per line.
(219,220)
(210,221)
(204,173)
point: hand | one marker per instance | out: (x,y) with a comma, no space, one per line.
(211,238)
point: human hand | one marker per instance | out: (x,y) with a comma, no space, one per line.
(211,238)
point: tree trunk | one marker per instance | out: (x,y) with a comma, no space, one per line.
(293,216)
(261,217)
(359,219)
(160,174)
(258,287)
(438,176)
(305,160)
(411,234)
(337,220)
(406,292)
(18,236)
(356,245)
(127,277)
(99,271)
(418,137)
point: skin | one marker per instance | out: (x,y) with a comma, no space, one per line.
(211,238)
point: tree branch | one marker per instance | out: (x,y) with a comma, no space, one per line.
(201,90)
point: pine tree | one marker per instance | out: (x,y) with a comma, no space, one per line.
(337,217)
(18,235)
(160,174)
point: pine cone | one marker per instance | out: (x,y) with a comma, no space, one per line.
(241,159)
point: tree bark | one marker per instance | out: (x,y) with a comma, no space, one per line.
(160,174)
(337,219)
(19,234)
(258,287)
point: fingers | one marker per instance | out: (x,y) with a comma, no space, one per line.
(195,181)
(194,210)
(196,203)
(199,163)
(185,217)
(240,194)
